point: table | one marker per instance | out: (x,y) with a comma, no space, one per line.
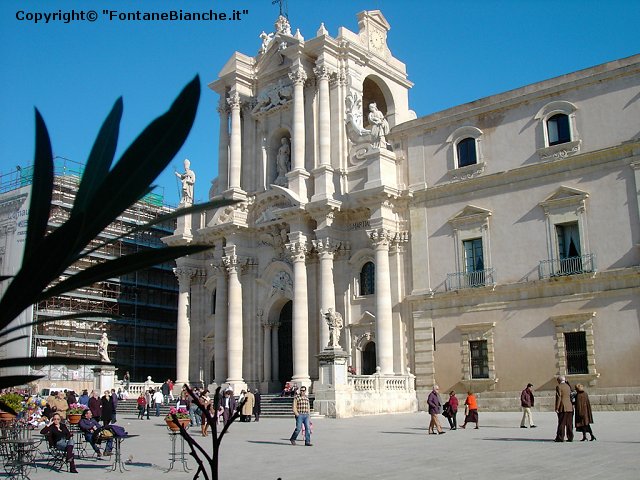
(118,464)
(21,459)
(177,456)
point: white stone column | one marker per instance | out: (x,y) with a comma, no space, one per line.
(298,78)
(221,319)
(298,252)
(266,354)
(323,173)
(235,147)
(183,332)
(326,249)
(223,148)
(234,329)
(324,119)
(380,239)
(298,175)
(275,355)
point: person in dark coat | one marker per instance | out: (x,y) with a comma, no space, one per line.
(527,400)
(564,409)
(451,410)
(107,408)
(229,405)
(583,415)
(95,406)
(257,407)
(435,409)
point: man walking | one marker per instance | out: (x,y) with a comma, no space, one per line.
(527,401)
(564,409)
(157,399)
(301,410)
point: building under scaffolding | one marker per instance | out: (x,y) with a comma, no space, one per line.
(140,308)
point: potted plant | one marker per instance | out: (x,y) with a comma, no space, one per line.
(74,413)
(181,414)
(11,404)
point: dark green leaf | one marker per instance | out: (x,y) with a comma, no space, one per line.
(120,266)
(163,218)
(34,361)
(70,316)
(14,339)
(41,188)
(100,158)
(47,262)
(143,161)
(15,380)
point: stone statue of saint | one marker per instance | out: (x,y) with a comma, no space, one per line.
(335,323)
(283,162)
(188,179)
(379,127)
(103,344)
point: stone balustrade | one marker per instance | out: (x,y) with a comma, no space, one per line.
(382,383)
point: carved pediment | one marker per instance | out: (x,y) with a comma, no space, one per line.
(564,196)
(274,97)
(470,215)
(274,205)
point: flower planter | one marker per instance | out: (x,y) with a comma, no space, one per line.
(74,418)
(7,417)
(173,427)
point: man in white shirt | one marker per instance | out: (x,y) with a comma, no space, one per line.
(158,398)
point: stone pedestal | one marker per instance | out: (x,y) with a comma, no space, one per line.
(103,378)
(333,395)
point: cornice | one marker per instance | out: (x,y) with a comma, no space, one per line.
(621,153)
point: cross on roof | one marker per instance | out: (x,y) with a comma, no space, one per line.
(283,7)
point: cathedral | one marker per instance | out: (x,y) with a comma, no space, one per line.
(482,247)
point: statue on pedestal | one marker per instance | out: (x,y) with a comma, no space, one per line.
(103,344)
(335,323)
(379,127)
(188,179)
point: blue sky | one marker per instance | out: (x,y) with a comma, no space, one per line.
(455,52)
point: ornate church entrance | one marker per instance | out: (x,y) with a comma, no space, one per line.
(369,359)
(285,345)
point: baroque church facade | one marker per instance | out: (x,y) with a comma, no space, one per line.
(482,247)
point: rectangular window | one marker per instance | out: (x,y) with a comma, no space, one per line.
(474,262)
(575,344)
(479,359)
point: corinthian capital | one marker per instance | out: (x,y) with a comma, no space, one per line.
(298,76)
(223,107)
(321,72)
(380,237)
(231,263)
(297,251)
(185,274)
(234,100)
(326,246)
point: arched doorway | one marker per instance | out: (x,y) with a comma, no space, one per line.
(285,344)
(369,359)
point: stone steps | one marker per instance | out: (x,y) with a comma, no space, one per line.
(273,405)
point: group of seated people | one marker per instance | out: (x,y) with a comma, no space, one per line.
(60,437)
(289,390)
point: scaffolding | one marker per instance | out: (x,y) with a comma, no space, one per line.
(139,308)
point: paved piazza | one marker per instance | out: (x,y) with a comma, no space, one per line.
(390,446)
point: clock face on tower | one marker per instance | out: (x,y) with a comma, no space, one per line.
(376,39)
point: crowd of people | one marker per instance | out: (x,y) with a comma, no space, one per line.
(572,406)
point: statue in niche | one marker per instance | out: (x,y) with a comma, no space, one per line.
(283,162)
(188,179)
(103,344)
(336,324)
(379,127)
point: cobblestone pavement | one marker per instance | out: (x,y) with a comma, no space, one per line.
(387,447)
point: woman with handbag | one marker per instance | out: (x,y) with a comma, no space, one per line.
(470,410)
(451,410)
(60,437)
